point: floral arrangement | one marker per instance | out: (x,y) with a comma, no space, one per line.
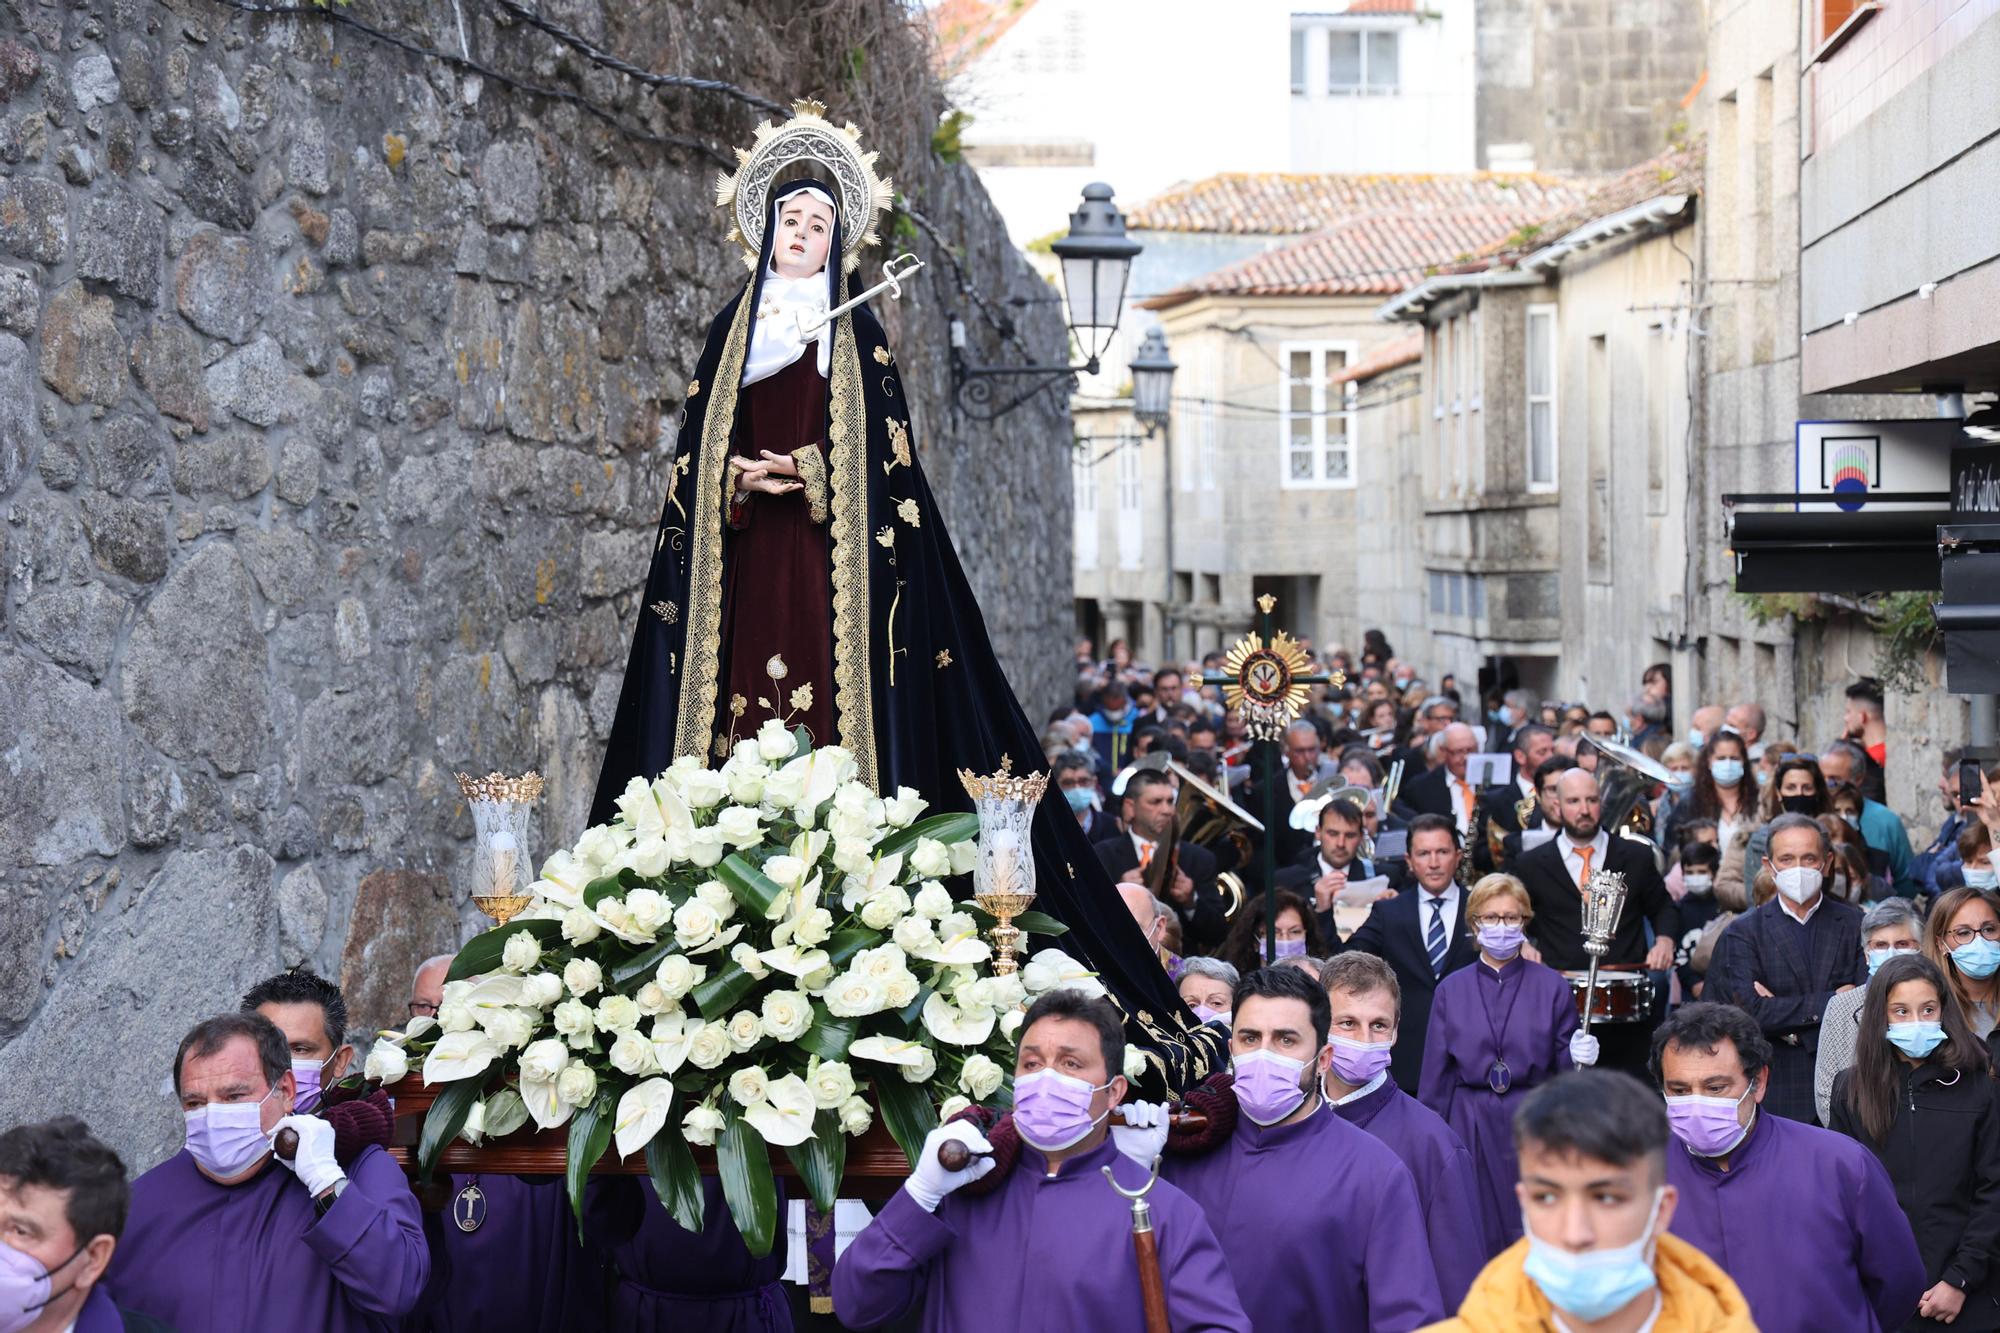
(738,961)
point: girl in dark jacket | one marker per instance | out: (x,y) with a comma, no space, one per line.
(1920,1096)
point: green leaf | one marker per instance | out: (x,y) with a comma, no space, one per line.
(744,1163)
(845,944)
(716,996)
(907,1110)
(828,1037)
(481,953)
(642,964)
(953,826)
(598,890)
(444,1119)
(802,739)
(821,1159)
(589,1136)
(913,1012)
(1040,923)
(675,1178)
(747,884)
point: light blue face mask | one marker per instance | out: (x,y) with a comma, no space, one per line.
(1978,957)
(1080,798)
(1594,1284)
(1679,783)
(1695,738)
(1916,1040)
(1982,878)
(1726,772)
(1877,957)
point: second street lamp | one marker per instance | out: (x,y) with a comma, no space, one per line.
(1152,381)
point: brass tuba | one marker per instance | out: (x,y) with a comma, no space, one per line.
(1207,818)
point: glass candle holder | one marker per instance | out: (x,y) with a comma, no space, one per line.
(1003,875)
(501,872)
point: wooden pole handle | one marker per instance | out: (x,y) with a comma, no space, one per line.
(1152,1286)
(955,1156)
(285,1143)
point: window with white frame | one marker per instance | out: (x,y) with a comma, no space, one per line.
(1299,36)
(1315,415)
(1131,507)
(1084,467)
(1362,60)
(1541,398)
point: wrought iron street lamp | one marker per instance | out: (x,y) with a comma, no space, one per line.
(1096,257)
(1152,382)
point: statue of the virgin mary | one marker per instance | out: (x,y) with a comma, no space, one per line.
(802,570)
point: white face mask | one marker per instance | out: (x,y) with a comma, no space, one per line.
(1798,883)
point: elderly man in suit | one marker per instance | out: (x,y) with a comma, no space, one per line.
(1555,874)
(1422,935)
(1190,890)
(1306,766)
(1446,790)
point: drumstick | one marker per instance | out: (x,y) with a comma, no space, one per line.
(955,1156)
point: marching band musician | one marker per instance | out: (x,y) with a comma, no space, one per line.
(1511,806)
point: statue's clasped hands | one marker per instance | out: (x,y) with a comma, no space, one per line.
(769,474)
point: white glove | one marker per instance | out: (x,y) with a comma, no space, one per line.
(1582,1049)
(930,1182)
(1143,1136)
(313,1164)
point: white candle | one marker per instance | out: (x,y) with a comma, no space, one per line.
(1006,861)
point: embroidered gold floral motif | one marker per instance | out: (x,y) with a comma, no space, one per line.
(667,611)
(737,705)
(887,537)
(674,481)
(812,475)
(943,658)
(694,387)
(882,355)
(721,746)
(847,454)
(802,698)
(899,445)
(907,511)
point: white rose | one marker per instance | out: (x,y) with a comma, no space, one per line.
(957,924)
(980,1077)
(851,825)
(785,871)
(999,992)
(633,1054)
(902,809)
(510,1027)
(852,996)
(505,1113)
(715,895)
(582,976)
(740,827)
(705,847)
(899,990)
(563,880)
(577,1084)
(677,976)
(913,935)
(541,990)
(386,1062)
(702,1125)
(457,1017)
(783,788)
(652,1001)
(832,1083)
(458,992)
(786,1015)
(775,741)
(544,1060)
(617,1013)
(650,909)
(884,962)
(695,924)
(1010,1022)
(745,957)
(921,1071)
(647,858)
(522,952)
(817,980)
(702,788)
(852,857)
(855,1117)
(749,1085)
(930,859)
(577,1023)
(596,848)
(885,909)
(933,900)
(1135,1063)
(579,926)
(709,1048)
(745,779)
(964,855)
(812,927)
(951,1106)
(744,1029)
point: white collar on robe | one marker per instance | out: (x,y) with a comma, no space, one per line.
(776,343)
(1370,1086)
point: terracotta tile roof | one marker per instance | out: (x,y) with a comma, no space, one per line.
(1676,171)
(966,28)
(1404,351)
(1382,7)
(1283,204)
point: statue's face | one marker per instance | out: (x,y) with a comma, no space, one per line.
(805,230)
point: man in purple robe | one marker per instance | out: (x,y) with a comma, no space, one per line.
(221,1238)
(1365,1007)
(1803,1218)
(1051,1246)
(63,1199)
(670,1278)
(510,1259)
(1318,1219)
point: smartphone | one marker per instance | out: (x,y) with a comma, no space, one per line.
(1971,782)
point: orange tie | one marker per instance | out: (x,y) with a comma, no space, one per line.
(1465,799)
(1146,856)
(1583,875)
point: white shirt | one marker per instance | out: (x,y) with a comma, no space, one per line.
(1572,858)
(1144,847)
(1424,900)
(1463,801)
(1790,909)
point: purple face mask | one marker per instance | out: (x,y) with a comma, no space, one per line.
(227,1138)
(1356,1062)
(1501,941)
(1208,1015)
(1052,1110)
(25,1287)
(306,1074)
(1707,1125)
(1267,1085)
(1291,948)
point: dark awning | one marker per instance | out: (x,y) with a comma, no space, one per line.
(1851,554)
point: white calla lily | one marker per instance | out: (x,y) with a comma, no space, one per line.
(785,1118)
(495,992)
(889,1051)
(960,1027)
(672,1035)
(642,1112)
(545,1108)
(460,1055)
(795,960)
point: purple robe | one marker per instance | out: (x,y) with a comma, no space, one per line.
(1807,1223)
(522,1268)
(1446,1181)
(206,1256)
(1320,1224)
(1041,1254)
(1522,1016)
(670,1278)
(100,1314)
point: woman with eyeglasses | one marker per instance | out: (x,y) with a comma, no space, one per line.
(1919,1096)
(1963,939)
(1497,1029)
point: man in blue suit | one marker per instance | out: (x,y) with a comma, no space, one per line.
(1422,935)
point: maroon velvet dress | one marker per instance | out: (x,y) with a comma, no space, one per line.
(777,562)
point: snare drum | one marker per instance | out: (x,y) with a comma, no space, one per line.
(1624,995)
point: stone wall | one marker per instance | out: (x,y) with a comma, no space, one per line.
(334,391)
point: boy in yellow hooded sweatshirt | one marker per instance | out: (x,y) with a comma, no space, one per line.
(1595,1204)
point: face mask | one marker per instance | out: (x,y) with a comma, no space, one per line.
(1695,738)
(1356,1062)
(306,1075)
(1698,884)
(1501,941)
(1402,683)
(1208,1015)
(1800,805)
(1080,798)
(1290,949)
(1267,1085)
(1708,1125)
(25,1288)
(1114,715)
(227,1138)
(1680,784)
(1798,883)
(1757,752)
(1052,1110)
(1978,958)
(1726,772)
(1987,878)
(1916,1040)
(1877,957)
(1592,1285)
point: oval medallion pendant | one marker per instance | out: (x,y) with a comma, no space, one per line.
(1499,1078)
(468,1209)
